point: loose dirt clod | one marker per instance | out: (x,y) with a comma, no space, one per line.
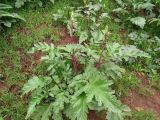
(26,62)
(14,89)
(2,86)
(9,39)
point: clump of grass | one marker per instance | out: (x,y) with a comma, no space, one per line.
(11,106)
(123,85)
(143,115)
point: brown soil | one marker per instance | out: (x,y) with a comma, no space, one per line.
(8,62)
(2,86)
(14,89)
(93,116)
(9,39)
(139,102)
(26,63)
(48,40)
(150,101)
(24,31)
(37,55)
(41,26)
(8,118)
(66,38)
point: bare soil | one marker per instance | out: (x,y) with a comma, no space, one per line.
(139,102)
(93,116)
(66,38)
(2,86)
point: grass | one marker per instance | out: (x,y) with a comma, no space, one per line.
(12,106)
(143,115)
(122,86)
(22,36)
(14,45)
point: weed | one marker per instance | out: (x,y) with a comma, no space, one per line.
(142,115)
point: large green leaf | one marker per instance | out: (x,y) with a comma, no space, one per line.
(1,118)
(119,115)
(20,3)
(35,100)
(47,113)
(79,108)
(117,52)
(98,89)
(5,6)
(139,21)
(10,15)
(141,5)
(34,83)
(112,70)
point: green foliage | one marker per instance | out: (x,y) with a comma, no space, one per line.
(7,18)
(11,106)
(143,115)
(20,3)
(140,21)
(155,20)
(75,93)
(50,98)
(13,71)
(145,15)
(141,40)
(1,118)
(139,13)
(122,85)
(36,82)
(88,22)
(119,52)
(69,91)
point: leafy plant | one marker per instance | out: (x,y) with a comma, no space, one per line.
(143,115)
(88,22)
(139,13)
(1,118)
(140,21)
(79,76)
(155,20)
(11,106)
(20,3)
(73,93)
(141,40)
(7,18)
(145,15)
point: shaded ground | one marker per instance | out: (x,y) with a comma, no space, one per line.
(65,38)
(143,97)
(139,102)
(93,116)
